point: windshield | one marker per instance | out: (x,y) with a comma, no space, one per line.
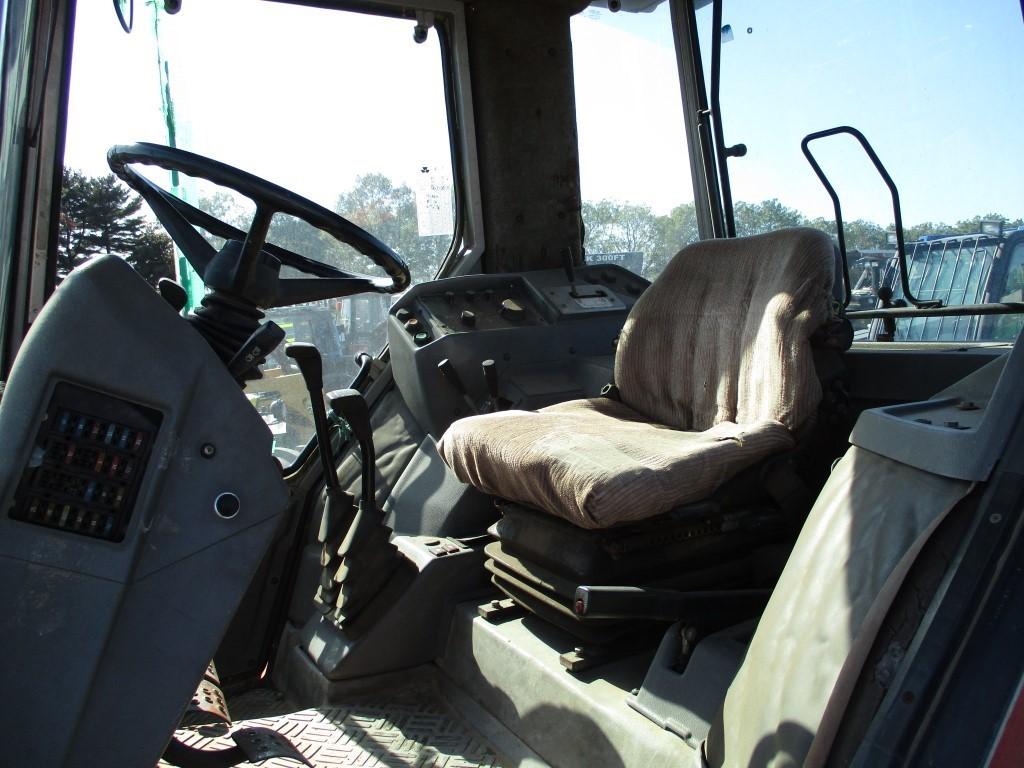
(343,108)
(933,87)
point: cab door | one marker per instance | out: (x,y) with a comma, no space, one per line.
(34,48)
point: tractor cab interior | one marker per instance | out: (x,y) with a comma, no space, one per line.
(476,383)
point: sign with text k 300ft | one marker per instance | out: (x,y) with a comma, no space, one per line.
(633,260)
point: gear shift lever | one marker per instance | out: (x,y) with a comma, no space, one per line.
(339,506)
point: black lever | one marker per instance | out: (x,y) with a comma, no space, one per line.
(570,271)
(491,377)
(350,405)
(172,293)
(263,341)
(448,371)
(339,506)
(366,559)
(307,357)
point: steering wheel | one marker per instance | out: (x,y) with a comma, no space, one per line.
(252,272)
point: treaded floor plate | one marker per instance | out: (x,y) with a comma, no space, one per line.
(412,727)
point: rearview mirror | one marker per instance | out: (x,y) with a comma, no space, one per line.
(125,10)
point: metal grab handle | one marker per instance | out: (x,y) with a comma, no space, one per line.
(897,214)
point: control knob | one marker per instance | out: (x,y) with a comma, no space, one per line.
(512,310)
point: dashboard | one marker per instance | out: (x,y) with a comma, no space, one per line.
(477,343)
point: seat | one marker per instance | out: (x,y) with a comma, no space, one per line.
(714,372)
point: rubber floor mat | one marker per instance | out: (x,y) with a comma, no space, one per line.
(412,727)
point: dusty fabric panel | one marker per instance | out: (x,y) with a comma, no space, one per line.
(722,334)
(854,550)
(396,436)
(597,462)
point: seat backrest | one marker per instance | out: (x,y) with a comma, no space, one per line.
(723,333)
(861,538)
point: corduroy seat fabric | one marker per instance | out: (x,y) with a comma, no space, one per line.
(714,370)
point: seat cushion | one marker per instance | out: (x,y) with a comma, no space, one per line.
(598,462)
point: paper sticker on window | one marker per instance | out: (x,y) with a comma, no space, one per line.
(434,214)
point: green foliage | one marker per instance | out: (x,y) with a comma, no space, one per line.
(388,212)
(860,234)
(385,210)
(766,216)
(613,226)
(98,216)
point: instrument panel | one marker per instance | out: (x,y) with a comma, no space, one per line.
(466,345)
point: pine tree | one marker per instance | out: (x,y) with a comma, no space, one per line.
(99,215)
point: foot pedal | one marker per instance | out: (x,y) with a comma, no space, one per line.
(261,744)
(252,745)
(208,704)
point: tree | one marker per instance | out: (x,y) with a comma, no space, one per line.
(677,229)
(388,212)
(860,234)
(614,227)
(152,256)
(99,215)
(384,209)
(766,216)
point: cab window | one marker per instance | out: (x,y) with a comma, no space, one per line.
(911,91)
(344,108)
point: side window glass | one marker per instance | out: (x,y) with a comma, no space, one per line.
(638,207)
(951,169)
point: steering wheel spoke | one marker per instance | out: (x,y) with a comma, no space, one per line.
(164,205)
(297,290)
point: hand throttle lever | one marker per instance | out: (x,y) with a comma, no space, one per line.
(350,405)
(447,370)
(491,379)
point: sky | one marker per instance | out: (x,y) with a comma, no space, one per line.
(306,98)
(312,98)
